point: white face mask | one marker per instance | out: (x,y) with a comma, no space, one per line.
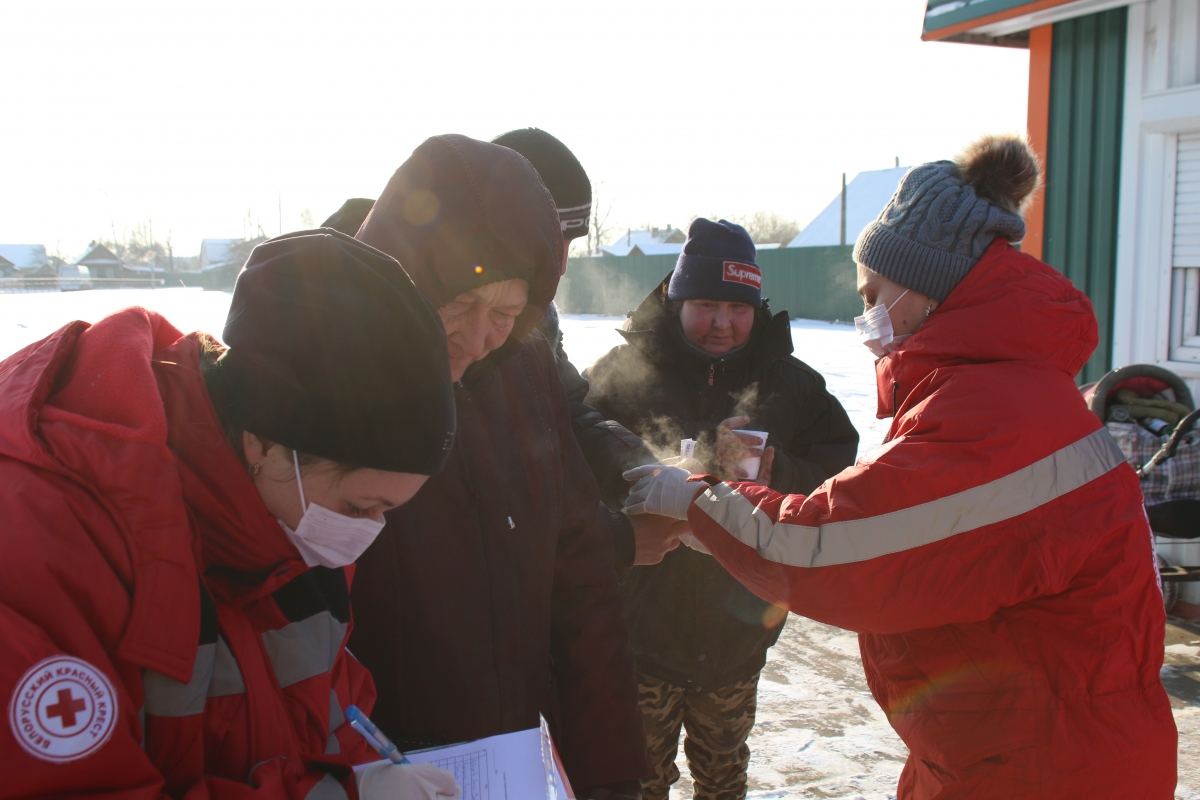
(326,538)
(875,328)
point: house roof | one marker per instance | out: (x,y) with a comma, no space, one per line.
(214,252)
(656,249)
(866,196)
(218,254)
(623,245)
(24,256)
(1001,21)
(98,255)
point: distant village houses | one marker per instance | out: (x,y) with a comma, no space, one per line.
(28,267)
(650,242)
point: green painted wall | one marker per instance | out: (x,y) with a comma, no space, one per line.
(1083,163)
(808,282)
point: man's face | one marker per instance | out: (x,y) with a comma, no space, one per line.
(716,326)
(479,321)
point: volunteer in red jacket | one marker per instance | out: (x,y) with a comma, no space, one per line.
(993,554)
(179,518)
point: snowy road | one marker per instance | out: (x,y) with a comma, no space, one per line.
(819,733)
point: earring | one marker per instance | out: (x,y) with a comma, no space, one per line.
(929,309)
(254,468)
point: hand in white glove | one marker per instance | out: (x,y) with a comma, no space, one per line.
(660,490)
(690,464)
(384,780)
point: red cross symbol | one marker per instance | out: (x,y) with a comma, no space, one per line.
(66,708)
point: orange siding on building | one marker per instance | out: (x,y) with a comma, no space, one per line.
(1041,41)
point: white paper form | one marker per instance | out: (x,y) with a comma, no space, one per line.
(511,766)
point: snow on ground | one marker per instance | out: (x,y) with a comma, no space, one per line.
(25,318)
(833,349)
(819,733)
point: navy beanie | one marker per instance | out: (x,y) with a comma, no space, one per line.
(717,263)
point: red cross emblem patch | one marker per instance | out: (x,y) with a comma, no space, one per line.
(63,709)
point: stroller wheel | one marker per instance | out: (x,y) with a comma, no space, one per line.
(1170,591)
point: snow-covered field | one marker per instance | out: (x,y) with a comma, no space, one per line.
(819,733)
(832,349)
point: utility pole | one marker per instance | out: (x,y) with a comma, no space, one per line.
(843,237)
(280,198)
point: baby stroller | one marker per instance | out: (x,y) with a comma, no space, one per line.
(1150,413)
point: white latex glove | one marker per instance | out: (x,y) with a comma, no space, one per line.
(690,464)
(384,780)
(660,490)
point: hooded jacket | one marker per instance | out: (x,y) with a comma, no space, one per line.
(993,555)
(161,634)
(691,623)
(460,214)
(491,597)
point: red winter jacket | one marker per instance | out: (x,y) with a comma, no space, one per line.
(993,556)
(161,634)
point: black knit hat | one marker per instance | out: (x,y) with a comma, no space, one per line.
(717,263)
(562,173)
(349,218)
(333,352)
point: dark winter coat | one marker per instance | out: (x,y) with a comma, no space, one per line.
(690,622)
(609,447)
(493,591)
(491,598)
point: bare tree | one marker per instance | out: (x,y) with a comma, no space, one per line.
(764,227)
(768,227)
(306,219)
(138,244)
(598,228)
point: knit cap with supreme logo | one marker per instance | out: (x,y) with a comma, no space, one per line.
(717,263)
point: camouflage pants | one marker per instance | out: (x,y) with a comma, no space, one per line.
(717,723)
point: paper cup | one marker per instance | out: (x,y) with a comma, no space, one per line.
(751,465)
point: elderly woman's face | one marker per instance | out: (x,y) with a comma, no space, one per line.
(716,327)
(479,321)
(907,312)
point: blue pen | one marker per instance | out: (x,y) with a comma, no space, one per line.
(374,737)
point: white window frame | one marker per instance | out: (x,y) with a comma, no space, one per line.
(1185,281)
(1144,329)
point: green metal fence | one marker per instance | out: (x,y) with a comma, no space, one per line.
(1083,163)
(808,282)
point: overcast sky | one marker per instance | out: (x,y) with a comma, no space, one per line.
(199,116)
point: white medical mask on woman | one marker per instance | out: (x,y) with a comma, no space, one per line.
(875,328)
(326,538)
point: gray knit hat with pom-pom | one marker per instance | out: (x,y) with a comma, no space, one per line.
(945,214)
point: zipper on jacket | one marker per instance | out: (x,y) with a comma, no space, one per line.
(711,370)
(895,391)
